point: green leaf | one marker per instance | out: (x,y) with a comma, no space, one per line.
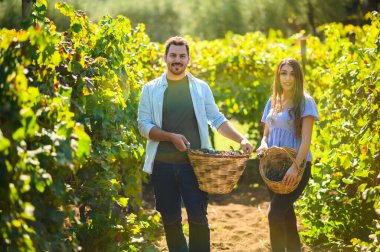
(77,27)
(361,173)
(19,134)
(84,141)
(4,143)
(40,185)
(28,211)
(123,201)
(362,187)
(65,9)
(347,181)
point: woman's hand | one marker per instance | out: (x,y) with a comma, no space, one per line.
(263,147)
(290,176)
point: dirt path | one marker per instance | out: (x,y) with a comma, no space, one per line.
(238,220)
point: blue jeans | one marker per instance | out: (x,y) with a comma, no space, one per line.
(173,183)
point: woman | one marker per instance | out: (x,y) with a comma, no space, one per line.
(289,116)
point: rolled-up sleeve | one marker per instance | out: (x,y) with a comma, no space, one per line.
(144,114)
(214,116)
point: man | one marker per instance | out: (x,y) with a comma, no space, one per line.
(174,112)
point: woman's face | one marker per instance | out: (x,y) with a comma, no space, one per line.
(287,78)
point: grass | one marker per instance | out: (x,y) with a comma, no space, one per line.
(223,143)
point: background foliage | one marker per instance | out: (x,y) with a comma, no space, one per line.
(70,152)
(342,205)
(209,19)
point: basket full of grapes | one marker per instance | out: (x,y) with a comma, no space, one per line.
(217,171)
(274,163)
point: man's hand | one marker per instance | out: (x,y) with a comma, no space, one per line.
(246,146)
(179,141)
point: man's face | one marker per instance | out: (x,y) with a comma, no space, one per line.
(177,59)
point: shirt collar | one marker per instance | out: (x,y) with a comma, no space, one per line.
(164,80)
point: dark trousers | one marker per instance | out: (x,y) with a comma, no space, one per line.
(174,183)
(282,219)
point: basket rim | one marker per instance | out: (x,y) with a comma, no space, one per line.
(286,149)
(279,186)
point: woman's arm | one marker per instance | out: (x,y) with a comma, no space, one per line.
(264,140)
(307,128)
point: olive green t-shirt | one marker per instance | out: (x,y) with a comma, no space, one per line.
(178,116)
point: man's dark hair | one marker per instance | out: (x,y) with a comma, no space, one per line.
(178,41)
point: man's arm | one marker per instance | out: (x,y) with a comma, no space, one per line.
(179,141)
(227,130)
(144,113)
(218,121)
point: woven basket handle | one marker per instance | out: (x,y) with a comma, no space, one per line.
(291,158)
(261,154)
(188,147)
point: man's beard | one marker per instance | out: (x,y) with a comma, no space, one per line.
(177,68)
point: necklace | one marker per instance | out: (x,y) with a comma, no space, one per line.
(287,104)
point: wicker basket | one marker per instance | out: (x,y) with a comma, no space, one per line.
(216,173)
(274,158)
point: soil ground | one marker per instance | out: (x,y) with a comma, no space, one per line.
(238,220)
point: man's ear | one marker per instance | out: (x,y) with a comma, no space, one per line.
(164,57)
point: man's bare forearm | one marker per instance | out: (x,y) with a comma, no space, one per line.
(227,130)
(157,134)
(178,140)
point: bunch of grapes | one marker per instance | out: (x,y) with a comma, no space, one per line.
(210,151)
(219,153)
(276,174)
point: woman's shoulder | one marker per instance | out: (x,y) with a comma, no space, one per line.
(308,97)
(269,101)
(310,107)
(309,101)
(268,105)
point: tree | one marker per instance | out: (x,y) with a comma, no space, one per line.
(27,7)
